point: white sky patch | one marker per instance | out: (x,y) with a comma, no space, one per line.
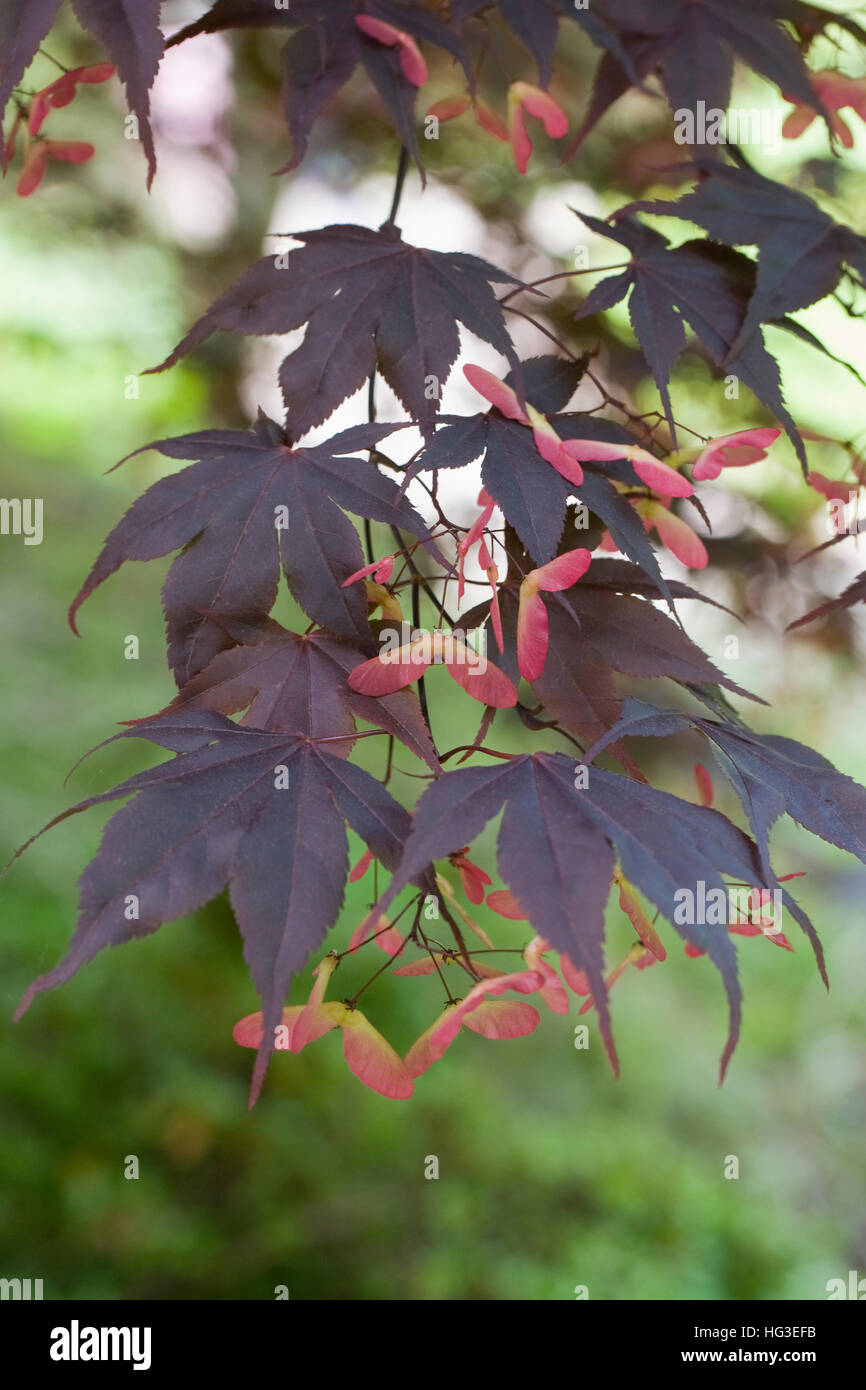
(550,224)
(193,200)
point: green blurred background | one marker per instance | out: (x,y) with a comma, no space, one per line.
(551,1174)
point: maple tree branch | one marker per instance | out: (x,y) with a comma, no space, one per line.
(374,936)
(607,397)
(390,763)
(352,1003)
(419,578)
(555,727)
(56,61)
(458,935)
(487,719)
(399,181)
(498,950)
(422,689)
(341,738)
(416,776)
(404,334)
(562,275)
(477,748)
(402,168)
(371,416)
(432,954)
(431,493)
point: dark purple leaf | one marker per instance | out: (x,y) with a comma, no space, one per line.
(296,684)
(802,251)
(533,496)
(550,854)
(855,593)
(130,34)
(260,813)
(635,638)
(368,300)
(663,845)
(224,512)
(549,382)
(317,61)
(23,26)
(708,287)
(692,48)
(772,776)
(536,26)
(625,578)
(326,48)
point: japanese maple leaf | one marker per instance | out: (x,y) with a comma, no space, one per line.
(619,576)
(556,854)
(592,633)
(369,300)
(250,505)
(297,684)
(635,638)
(327,45)
(600,629)
(772,776)
(855,593)
(698,284)
(537,25)
(565,901)
(802,253)
(531,493)
(576,686)
(129,33)
(693,47)
(260,813)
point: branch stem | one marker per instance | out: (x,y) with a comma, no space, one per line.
(399,181)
